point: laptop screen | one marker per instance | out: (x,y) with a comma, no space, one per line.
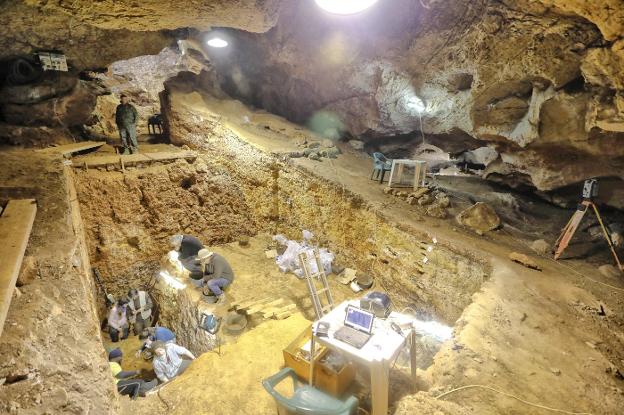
(359,319)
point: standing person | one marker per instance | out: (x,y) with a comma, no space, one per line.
(126,386)
(139,310)
(217,273)
(187,247)
(117,322)
(126,117)
(168,362)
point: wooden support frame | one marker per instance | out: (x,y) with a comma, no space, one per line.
(15,226)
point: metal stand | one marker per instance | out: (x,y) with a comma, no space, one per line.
(310,277)
(574,222)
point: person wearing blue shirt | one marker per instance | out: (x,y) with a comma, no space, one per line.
(152,334)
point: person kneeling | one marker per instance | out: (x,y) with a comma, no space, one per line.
(217,273)
(168,362)
(118,322)
(125,386)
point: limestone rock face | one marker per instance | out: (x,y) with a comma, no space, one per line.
(480,217)
(93,34)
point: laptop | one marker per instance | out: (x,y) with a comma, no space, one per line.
(358,325)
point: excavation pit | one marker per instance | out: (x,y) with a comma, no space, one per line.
(129,216)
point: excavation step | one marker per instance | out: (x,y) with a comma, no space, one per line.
(69,149)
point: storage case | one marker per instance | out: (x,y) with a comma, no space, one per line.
(325,378)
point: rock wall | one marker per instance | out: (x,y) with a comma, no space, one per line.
(286,199)
(539,80)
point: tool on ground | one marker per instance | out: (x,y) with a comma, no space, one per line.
(358,327)
(110,300)
(377,303)
(210,323)
(311,278)
(590,191)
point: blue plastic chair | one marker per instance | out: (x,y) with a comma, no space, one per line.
(380,166)
(307,400)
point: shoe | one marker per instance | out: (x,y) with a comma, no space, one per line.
(125,152)
(220,299)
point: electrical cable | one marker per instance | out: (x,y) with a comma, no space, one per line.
(536,405)
(421,127)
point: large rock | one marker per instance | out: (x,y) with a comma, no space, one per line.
(51,86)
(480,217)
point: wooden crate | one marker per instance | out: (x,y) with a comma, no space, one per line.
(326,379)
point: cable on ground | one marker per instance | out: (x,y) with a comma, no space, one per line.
(536,405)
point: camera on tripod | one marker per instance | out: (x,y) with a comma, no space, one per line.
(590,189)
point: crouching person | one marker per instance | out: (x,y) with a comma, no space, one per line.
(168,362)
(126,386)
(152,334)
(217,273)
(118,322)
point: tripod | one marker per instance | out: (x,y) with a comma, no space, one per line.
(573,223)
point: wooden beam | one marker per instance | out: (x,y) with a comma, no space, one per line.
(68,149)
(15,225)
(131,159)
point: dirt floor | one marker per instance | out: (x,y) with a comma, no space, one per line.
(551,338)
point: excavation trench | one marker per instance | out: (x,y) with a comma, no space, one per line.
(233,191)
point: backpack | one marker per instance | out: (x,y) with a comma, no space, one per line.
(210,323)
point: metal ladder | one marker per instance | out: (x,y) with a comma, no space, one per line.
(315,292)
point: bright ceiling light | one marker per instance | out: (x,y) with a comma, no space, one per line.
(217,42)
(345,6)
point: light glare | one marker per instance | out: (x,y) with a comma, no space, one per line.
(217,42)
(345,6)
(174,283)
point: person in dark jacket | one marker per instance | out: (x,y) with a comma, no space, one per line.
(126,117)
(217,273)
(187,247)
(124,379)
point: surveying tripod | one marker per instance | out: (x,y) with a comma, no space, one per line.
(590,190)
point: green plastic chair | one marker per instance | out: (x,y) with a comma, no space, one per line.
(307,400)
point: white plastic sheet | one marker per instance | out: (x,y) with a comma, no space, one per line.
(289,260)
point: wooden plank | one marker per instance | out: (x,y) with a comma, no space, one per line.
(261,306)
(69,149)
(270,311)
(288,309)
(246,304)
(130,159)
(15,225)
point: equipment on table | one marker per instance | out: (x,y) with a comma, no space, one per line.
(311,278)
(322,329)
(306,399)
(590,190)
(358,327)
(377,303)
(381,165)
(210,323)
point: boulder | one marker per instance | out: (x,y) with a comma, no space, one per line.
(541,247)
(357,144)
(443,200)
(49,87)
(327,143)
(437,211)
(425,200)
(480,217)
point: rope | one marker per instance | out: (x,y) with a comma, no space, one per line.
(536,405)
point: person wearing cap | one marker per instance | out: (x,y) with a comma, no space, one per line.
(217,273)
(187,247)
(118,322)
(126,118)
(168,362)
(139,310)
(152,334)
(122,378)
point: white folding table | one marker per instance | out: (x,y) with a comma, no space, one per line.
(378,353)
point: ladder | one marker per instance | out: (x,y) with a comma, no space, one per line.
(316,293)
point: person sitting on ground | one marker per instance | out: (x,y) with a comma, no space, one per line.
(152,334)
(187,247)
(139,310)
(168,362)
(126,386)
(217,273)
(117,322)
